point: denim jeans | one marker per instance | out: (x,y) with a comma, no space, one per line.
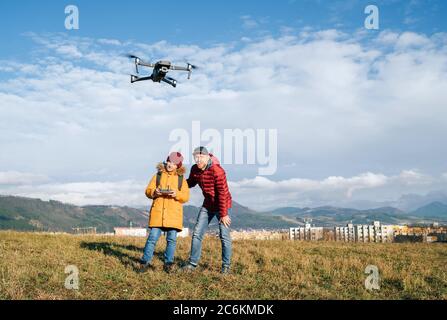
(154,235)
(203,220)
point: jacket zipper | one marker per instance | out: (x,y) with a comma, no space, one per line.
(164,199)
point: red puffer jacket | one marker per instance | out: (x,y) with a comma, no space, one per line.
(213,183)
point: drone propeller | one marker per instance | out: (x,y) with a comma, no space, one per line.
(137,60)
(190,68)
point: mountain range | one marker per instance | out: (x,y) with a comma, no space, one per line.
(26,214)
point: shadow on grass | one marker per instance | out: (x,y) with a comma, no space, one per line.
(116,250)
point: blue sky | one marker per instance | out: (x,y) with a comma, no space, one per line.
(359,113)
(208,22)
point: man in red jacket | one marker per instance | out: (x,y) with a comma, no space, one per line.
(211,178)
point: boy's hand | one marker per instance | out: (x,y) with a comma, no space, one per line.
(157,193)
(173,194)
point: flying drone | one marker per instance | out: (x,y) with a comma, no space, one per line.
(160,70)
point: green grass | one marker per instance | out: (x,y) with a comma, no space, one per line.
(32,267)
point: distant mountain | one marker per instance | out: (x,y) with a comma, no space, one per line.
(434,209)
(411,202)
(331,216)
(20,213)
(34,214)
(287,211)
(27,214)
(243,218)
(406,203)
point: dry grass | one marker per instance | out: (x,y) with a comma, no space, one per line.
(32,267)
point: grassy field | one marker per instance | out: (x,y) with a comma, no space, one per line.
(32,267)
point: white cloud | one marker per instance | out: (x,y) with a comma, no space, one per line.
(341,105)
(413,177)
(262,193)
(411,39)
(21,178)
(123,193)
(248,22)
(258,193)
(110,42)
(84,193)
(69,51)
(348,185)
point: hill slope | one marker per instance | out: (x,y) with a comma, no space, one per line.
(19,213)
(25,214)
(434,209)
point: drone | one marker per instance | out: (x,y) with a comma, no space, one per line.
(161,68)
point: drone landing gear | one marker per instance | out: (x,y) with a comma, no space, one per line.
(136,78)
(170,81)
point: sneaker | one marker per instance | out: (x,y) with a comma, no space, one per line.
(225,270)
(146,267)
(168,267)
(188,267)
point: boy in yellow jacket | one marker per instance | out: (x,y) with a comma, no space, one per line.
(169,190)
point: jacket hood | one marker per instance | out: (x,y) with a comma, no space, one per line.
(214,159)
(180,171)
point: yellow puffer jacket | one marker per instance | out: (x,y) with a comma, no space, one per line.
(167,212)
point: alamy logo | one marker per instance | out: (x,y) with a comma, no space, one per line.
(372,281)
(372,20)
(72,280)
(234,146)
(72,18)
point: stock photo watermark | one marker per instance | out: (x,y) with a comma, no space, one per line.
(372,20)
(232,146)
(372,281)
(72,17)
(72,280)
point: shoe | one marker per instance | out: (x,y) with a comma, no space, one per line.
(225,270)
(146,267)
(168,267)
(188,268)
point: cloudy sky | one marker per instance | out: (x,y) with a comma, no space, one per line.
(360,115)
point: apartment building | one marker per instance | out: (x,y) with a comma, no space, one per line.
(346,234)
(365,233)
(307,233)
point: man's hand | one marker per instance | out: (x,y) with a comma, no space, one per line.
(226,221)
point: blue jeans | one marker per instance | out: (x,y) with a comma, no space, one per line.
(203,220)
(154,235)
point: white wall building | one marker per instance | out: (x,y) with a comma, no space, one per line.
(307,232)
(346,234)
(143,232)
(365,233)
(131,232)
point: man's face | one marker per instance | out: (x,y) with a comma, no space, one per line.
(201,160)
(170,166)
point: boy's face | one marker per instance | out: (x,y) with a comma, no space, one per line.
(170,166)
(201,160)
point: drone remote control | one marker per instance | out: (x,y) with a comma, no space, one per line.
(165,191)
